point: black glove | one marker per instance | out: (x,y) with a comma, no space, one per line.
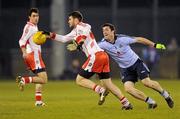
(79,47)
(46,32)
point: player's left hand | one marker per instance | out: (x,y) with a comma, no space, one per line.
(160,46)
(72,46)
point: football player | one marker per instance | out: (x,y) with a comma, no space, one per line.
(132,67)
(31,54)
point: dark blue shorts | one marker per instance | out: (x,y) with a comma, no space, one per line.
(138,70)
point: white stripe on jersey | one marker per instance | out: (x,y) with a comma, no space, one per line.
(90,63)
(37,60)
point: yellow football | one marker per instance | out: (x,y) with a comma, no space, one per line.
(39,38)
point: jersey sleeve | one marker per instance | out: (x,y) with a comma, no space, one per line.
(127,40)
(27,33)
(65,38)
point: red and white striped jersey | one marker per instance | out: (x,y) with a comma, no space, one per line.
(26,38)
(81,32)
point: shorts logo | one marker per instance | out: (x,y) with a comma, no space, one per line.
(80,32)
(142,71)
(90,64)
(122,77)
(37,62)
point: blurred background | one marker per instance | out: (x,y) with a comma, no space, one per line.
(157,20)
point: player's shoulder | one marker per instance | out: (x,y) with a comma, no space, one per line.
(30,27)
(103,44)
(29,24)
(123,36)
(102,41)
(84,25)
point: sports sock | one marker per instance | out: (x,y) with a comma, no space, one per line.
(27,79)
(38,96)
(165,94)
(98,89)
(150,100)
(124,101)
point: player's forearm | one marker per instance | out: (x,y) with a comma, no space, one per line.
(144,41)
(61,38)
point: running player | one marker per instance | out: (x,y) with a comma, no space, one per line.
(132,67)
(97,61)
(32,57)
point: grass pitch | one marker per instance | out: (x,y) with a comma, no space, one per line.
(66,100)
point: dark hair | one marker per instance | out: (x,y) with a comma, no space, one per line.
(35,10)
(111,26)
(76,14)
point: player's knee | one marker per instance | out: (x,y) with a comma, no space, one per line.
(77,81)
(128,89)
(44,79)
(107,83)
(147,83)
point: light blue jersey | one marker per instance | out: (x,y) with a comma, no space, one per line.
(120,50)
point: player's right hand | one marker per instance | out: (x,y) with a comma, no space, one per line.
(159,46)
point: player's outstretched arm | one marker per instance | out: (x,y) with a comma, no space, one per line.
(150,43)
(62,38)
(59,38)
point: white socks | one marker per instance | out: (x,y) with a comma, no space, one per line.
(150,101)
(165,94)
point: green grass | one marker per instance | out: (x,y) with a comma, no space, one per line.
(66,100)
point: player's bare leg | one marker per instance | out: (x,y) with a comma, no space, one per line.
(152,84)
(130,88)
(117,92)
(38,89)
(38,95)
(41,78)
(113,88)
(81,81)
(157,87)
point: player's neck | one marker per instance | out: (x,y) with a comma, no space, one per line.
(76,23)
(32,23)
(112,39)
